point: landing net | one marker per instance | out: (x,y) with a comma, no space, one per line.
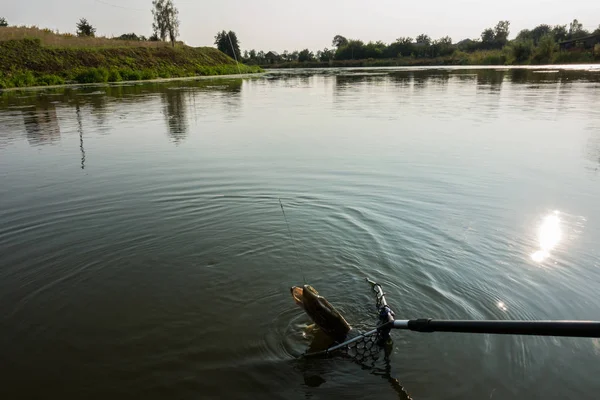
(366,348)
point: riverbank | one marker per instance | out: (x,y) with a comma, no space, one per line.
(28,63)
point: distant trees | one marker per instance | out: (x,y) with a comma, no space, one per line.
(339,41)
(559,32)
(576,30)
(228,43)
(326,54)
(306,55)
(497,37)
(521,50)
(84,28)
(423,40)
(352,50)
(166,20)
(536,45)
(3,22)
(132,37)
(546,47)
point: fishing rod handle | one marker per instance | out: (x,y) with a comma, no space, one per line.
(537,328)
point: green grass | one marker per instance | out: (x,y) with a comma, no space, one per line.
(45,65)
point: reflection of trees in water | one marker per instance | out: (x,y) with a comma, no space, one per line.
(231,96)
(182,98)
(490,79)
(41,125)
(401,79)
(175,114)
(592,149)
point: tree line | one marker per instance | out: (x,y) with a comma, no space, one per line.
(540,40)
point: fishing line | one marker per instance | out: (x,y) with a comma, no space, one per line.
(240,72)
(293,242)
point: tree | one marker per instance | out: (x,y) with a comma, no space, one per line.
(3,22)
(442,47)
(574,28)
(375,50)
(487,37)
(228,43)
(166,21)
(539,32)
(521,50)
(403,46)
(597,31)
(339,41)
(497,37)
(84,28)
(423,39)
(306,55)
(560,33)
(501,31)
(353,50)
(545,49)
(326,55)
(525,34)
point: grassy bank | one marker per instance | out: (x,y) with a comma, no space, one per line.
(49,37)
(28,62)
(488,57)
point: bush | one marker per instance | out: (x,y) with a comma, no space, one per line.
(460,57)
(50,80)
(92,75)
(148,74)
(114,75)
(23,79)
(521,50)
(569,57)
(130,75)
(545,50)
(489,57)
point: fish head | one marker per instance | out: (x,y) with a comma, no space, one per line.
(321,311)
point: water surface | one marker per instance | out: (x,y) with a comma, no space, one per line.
(143,252)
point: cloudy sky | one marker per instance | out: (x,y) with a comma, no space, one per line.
(288,25)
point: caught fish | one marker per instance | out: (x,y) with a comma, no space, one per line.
(324,315)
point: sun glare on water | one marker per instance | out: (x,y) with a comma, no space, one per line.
(549,235)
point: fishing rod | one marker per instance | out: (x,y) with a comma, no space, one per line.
(589,329)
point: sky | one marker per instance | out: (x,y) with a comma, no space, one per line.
(294,25)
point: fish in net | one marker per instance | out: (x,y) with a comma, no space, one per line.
(366,348)
(372,349)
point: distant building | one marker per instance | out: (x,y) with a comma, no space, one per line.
(586,42)
(272,57)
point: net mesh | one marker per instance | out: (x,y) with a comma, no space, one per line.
(366,348)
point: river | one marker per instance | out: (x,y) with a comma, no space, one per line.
(144,253)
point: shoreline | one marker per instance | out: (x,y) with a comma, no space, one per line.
(157,80)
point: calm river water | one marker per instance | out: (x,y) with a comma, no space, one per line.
(144,254)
